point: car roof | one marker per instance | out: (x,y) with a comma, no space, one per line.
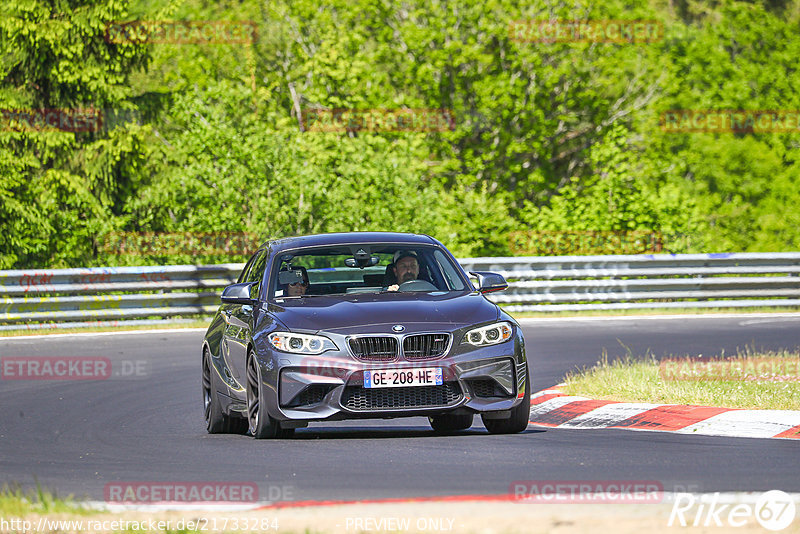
(348,238)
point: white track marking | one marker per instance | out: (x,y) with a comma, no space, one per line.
(746,423)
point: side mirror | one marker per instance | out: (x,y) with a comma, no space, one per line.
(489,282)
(238,294)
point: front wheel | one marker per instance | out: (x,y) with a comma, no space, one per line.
(519,415)
(217,422)
(260,424)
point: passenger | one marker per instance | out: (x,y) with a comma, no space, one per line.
(298,289)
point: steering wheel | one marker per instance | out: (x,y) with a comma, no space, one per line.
(417,285)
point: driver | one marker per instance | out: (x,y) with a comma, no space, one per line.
(405,267)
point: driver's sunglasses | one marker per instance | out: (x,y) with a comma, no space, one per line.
(303,283)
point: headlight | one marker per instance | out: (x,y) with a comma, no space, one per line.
(301,343)
(489,335)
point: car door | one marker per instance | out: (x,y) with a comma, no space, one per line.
(240,320)
(229,331)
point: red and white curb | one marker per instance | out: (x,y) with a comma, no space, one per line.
(554,408)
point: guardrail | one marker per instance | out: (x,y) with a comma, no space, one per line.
(569,283)
(79,297)
(87,297)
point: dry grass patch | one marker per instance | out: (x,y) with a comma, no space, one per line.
(775,386)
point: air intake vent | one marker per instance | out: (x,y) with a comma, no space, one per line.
(359,398)
(313,394)
(374,348)
(425,346)
(486,387)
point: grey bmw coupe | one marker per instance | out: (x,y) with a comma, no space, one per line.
(361,325)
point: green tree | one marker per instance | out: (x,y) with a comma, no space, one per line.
(618,197)
(60,187)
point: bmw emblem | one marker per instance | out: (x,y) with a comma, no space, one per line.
(398,328)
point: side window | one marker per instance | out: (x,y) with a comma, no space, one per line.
(256,273)
(449,272)
(246,270)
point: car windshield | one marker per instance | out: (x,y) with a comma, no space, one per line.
(363,269)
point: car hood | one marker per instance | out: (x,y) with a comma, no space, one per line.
(368,313)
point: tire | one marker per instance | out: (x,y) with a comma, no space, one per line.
(519,415)
(260,424)
(217,422)
(447,423)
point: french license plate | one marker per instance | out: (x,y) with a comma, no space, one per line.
(396,378)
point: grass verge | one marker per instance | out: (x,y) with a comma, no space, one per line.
(750,380)
(121,327)
(15,502)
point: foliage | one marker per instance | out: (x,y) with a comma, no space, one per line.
(59,186)
(545,136)
(618,196)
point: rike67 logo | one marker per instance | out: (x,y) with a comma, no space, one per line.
(774,510)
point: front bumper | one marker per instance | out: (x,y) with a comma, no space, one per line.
(330,386)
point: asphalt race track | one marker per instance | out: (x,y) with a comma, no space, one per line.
(74,437)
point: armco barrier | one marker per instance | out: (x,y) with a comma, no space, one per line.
(57,297)
(70,297)
(567,283)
